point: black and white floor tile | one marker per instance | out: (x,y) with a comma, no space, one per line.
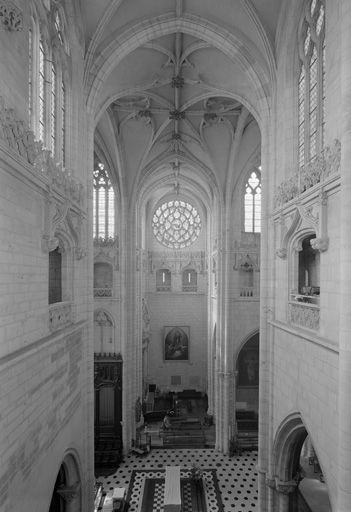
(237,476)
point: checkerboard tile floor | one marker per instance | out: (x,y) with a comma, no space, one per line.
(237,476)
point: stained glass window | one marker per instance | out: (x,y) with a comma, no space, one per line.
(311,84)
(30,73)
(53,108)
(63,123)
(252,203)
(41,91)
(103,204)
(176,224)
(58,26)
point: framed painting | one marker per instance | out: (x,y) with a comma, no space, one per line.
(176,343)
(248,367)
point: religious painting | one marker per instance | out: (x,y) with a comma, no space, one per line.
(248,363)
(176,343)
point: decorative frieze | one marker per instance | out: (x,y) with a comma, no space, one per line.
(304,315)
(60,315)
(11,17)
(176,261)
(22,141)
(316,171)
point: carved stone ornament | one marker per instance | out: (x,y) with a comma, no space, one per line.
(176,261)
(22,141)
(176,115)
(270,482)
(281,253)
(316,171)
(320,244)
(146,323)
(102,319)
(310,216)
(69,492)
(286,487)
(11,17)
(304,315)
(59,216)
(107,250)
(177,82)
(246,262)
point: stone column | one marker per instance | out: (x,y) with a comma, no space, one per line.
(88,423)
(285,489)
(344,406)
(266,300)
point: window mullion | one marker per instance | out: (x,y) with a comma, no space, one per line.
(307,113)
(106,210)
(97,211)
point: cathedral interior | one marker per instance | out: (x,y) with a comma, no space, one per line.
(175,274)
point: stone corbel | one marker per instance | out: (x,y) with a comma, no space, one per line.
(270,482)
(11,16)
(285,487)
(320,244)
(69,492)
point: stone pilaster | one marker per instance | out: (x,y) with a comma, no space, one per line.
(266,298)
(344,441)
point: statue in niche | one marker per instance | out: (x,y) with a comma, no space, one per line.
(146,322)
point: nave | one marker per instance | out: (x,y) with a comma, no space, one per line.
(237,476)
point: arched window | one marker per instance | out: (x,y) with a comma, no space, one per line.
(252,203)
(104,204)
(189,280)
(163,280)
(48,51)
(176,224)
(311,84)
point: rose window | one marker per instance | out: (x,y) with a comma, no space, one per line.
(176,224)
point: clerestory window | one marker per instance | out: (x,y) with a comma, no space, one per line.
(311,83)
(252,203)
(103,204)
(46,84)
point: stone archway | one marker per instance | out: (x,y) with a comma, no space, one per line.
(66,496)
(288,446)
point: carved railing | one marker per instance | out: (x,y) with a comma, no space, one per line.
(189,288)
(316,171)
(102,292)
(163,288)
(304,314)
(60,315)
